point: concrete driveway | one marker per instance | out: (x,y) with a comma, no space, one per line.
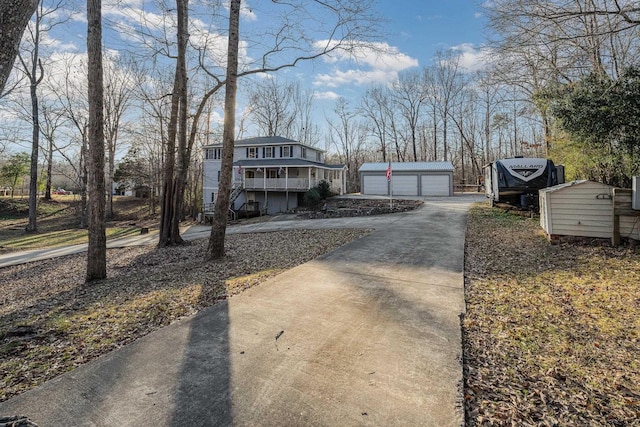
(366,335)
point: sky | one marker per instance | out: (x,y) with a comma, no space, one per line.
(417,30)
(421,28)
(412,32)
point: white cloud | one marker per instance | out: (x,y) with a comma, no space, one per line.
(330,95)
(247,13)
(472,58)
(365,62)
(79,16)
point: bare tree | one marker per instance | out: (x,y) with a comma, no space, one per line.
(375,107)
(348,136)
(344,23)
(14,17)
(409,93)
(271,110)
(219,222)
(70,95)
(545,43)
(304,129)
(175,173)
(34,71)
(97,249)
(447,86)
(52,121)
(118,91)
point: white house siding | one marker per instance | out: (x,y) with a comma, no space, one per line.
(582,208)
(405,185)
(435,185)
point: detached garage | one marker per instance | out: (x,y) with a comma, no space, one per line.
(407,179)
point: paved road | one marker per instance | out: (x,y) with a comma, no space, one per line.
(366,335)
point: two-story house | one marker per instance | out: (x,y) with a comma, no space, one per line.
(270,173)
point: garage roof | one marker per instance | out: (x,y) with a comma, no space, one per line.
(408,167)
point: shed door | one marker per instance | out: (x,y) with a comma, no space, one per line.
(375,184)
(405,185)
(435,185)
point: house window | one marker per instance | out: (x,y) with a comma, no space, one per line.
(303,152)
(269,152)
(252,152)
(272,173)
(318,157)
(286,152)
(213,197)
(213,154)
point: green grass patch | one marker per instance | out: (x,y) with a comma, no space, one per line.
(24,241)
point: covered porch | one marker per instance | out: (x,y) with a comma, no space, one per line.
(286,178)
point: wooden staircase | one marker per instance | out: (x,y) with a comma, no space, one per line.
(233,196)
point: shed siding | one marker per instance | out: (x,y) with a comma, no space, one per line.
(630,227)
(584,209)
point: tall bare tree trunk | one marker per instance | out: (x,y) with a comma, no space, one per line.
(221,211)
(97,251)
(35,144)
(31,70)
(83,183)
(47,191)
(14,17)
(166,208)
(173,187)
(182,165)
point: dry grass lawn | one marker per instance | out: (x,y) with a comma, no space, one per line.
(551,333)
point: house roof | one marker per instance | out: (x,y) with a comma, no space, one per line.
(566,185)
(270,163)
(408,167)
(264,140)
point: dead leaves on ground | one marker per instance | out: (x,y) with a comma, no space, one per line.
(551,331)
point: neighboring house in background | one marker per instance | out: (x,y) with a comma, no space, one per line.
(270,174)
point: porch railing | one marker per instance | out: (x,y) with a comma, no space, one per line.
(278,184)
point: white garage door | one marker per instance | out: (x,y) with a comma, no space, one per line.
(435,185)
(376,184)
(405,185)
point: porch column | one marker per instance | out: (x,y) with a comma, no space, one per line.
(286,187)
(309,170)
(343,181)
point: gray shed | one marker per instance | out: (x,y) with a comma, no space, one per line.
(407,179)
(580,208)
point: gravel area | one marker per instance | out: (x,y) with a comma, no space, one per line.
(50,321)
